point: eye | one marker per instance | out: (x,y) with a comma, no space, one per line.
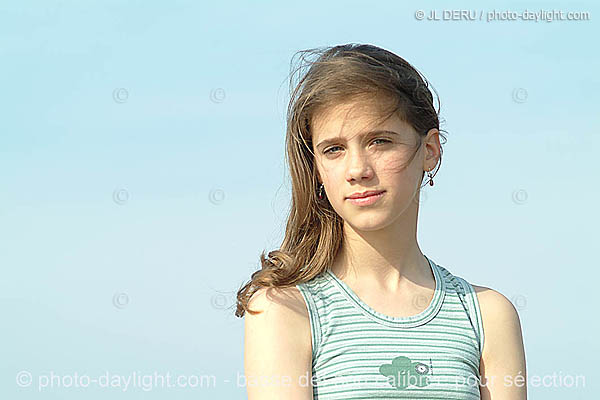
(330,150)
(383,140)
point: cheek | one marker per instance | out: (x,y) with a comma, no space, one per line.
(392,170)
(399,176)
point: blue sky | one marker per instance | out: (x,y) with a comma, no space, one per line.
(142,173)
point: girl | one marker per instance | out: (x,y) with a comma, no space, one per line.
(349,307)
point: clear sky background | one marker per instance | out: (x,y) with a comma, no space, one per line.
(142,173)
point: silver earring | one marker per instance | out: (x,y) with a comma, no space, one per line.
(321,192)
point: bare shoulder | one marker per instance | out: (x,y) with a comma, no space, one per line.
(277,344)
(503,356)
(281,311)
(496,309)
(283,300)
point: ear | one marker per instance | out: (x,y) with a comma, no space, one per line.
(433,142)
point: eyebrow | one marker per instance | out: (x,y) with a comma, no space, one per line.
(339,138)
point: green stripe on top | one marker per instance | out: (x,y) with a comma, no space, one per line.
(359,353)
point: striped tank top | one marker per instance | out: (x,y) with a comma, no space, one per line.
(359,353)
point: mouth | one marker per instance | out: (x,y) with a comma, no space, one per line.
(366,200)
(366,194)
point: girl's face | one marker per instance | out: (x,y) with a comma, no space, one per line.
(353,155)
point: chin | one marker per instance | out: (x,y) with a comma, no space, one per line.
(368,221)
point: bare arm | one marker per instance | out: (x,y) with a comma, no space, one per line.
(502,366)
(277,346)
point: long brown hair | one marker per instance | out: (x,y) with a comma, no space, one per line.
(313,232)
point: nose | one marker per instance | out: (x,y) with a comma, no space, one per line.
(359,167)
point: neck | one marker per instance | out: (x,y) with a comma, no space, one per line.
(382,259)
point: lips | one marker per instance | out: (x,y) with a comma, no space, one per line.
(365,194)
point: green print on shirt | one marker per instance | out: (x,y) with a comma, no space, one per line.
(403,372)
